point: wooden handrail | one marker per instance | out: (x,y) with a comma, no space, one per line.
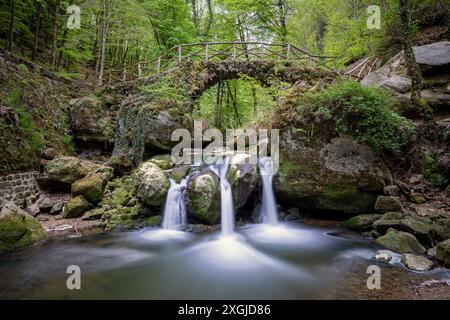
(233,50)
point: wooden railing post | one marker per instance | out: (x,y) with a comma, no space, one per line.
(206,53)
(262,51)
(158,65)
(179,54)
(288,52)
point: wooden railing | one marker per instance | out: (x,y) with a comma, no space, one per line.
(219,52)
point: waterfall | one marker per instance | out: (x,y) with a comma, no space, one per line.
(174,210)
(268,205)
(226,199)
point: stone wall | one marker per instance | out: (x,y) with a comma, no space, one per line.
(21,188)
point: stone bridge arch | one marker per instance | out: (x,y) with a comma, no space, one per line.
(162,103)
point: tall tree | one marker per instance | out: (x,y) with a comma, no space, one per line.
(12,14)
(411,63)
(55,32)
(107,8)
(37,29)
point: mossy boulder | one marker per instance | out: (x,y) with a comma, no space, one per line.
(18,229)
(123,218)
(443,252)
(66,170)
(154,221)
(400,242)
(151,184)
(383,225)
(163,161)
(203,197)
(388,203)
(91,187)
(339,175)
(76,207)
(415,262)
(362,222)
(245,181)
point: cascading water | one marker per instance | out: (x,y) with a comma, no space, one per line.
(226,200)
(269,210)
(174,210)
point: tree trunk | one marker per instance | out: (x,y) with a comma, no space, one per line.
(36,31)
(282,17)
(55,32)
(218,111)
(12,13)
(105,27)
(63,43)
(411,64)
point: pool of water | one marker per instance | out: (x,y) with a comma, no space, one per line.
(289,261)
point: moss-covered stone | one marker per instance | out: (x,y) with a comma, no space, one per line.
(180,172)
(203,197)
(443,252)
(400,242)
(151,184)
(363,222)
(76,207)
(67,170)
(163,161)
(388,203)
(154,221)
(18,229)
(91,187)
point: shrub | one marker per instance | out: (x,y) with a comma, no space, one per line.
(367,113)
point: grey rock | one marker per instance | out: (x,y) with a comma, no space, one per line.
(416,263)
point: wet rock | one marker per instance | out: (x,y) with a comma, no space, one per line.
(363,222)
(419,229)
(443,252)
(383,225)
(152,184)
(416,263)
(388,203)
(57,208)
(256,214)
(155,221)
(400,242)
(45,206)
(383,255)
(292,214)
(197,228)
(244,180)
(76,207)
(66,170)
(203,197)
(432,252)
(18,229)
(91,187)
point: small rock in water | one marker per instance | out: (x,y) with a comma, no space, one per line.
(383,255)
(45,206)
(197,228)
(416,263)
(432,252)
(57,208)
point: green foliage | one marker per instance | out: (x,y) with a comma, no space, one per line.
(364,112)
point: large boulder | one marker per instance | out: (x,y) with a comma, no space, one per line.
(434,61)
(244,181)
(341,175)
(91,187)
(18,229)
(362,222)
(400,242)
(76,207)
(91,120)
(203,197)
(443,252)
(151,184)
(416,263)
(66,170)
